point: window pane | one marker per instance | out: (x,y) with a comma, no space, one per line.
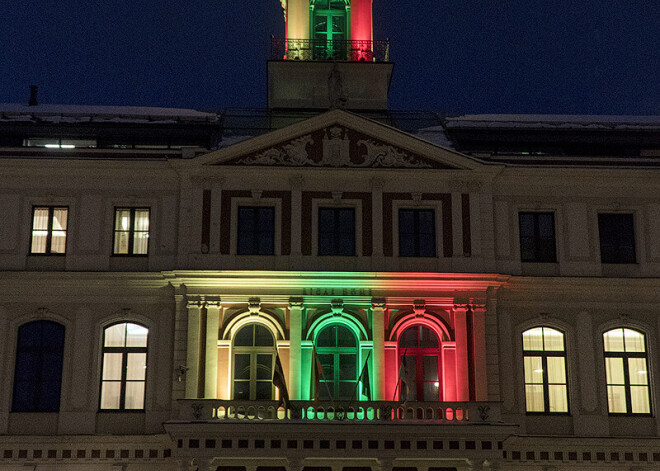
(242,366)
(263,337)
(112,366)
(345,337)
(115,335)
(136,366)
(430,366)
(533,339)
(639,398)
(347,367)
(241,390)
(613,340)
(553,339)
(533,370)
(534,398)
(122,219)
(427,338)
(409,363)
(614,371)
(557,398)
(110,393)
(141,219)
(120,246)
(326,338)
(136,335)
(409,338)
(58,242)
(264,390)
(347,390)
(40,219)
(432,391)
(245,336)
(59,218)
(328,365)
(637,371)
(264,366)
(39,239)
(616,399)
(634,341)
(556,370)
(140,243)
(134,395)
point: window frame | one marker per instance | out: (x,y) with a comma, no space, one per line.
(253,351)
(537,240)
(336,353)
(124,364)
(416,211)
(419,353)
(618,259)
(49,236)
(275,230)
(336,233)
(41,351)
(625,356)
(545,354)
(131,232)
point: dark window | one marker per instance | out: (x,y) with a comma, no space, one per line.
(336,231)
(49,225)
(131,231)
(38,371)
(256,230)
(617,238)
(537,237)
(416,233)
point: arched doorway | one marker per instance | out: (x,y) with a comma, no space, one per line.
(337,351)
(253,354)
(330,24)
(420,360)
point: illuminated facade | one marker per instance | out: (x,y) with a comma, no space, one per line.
(456,293)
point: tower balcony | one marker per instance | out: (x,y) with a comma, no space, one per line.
(330,50)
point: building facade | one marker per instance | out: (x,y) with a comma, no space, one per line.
(437,293)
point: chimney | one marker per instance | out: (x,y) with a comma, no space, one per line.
(33,95)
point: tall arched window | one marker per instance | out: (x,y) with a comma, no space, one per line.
(544,354)
(626,372)
(254,349)
(38,369)
(124,371)
(330,29)
(337,351)
(419,358)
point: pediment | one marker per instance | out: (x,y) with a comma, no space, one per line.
(338,139)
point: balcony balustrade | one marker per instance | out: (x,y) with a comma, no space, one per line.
(334,50)
(219,410)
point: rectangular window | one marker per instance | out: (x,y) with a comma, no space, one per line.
(416,233)
(537,237)
(49,224)
(617,238)
(256,230)
(131,231)
(337,231)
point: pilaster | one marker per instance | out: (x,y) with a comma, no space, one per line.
(378,307)
(193,349)
(462,371)
(295,350)
(211,363)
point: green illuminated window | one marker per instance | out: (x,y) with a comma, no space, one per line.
(253,363)
(329,29)
(337,351)
(626,372)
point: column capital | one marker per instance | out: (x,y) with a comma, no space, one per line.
(296,303)
(195,302)
(214,303)
(378,303)
(469,306)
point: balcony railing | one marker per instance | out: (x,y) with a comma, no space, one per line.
(322,50)
(219,410)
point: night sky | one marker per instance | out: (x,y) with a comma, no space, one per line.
(455,56)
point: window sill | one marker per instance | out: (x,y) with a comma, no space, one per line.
(46,262)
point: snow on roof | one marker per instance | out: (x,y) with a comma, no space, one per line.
(435,135)
(553,121)
(17,112)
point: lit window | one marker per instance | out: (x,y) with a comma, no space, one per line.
(49,226)
(38,369)
(416,233)
(57,143)
(537,237)
(626,372)
(124,371)
(617,238)
(253,363)
(131,231)
(256,230)
(419,357)
(336,347)
(544,355)
(337,231)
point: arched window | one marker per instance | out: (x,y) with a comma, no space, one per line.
(419,359)
(124,371)
(330,29)
(254,349)
(38,369)
(337,351)
(544,355)
(626,372)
